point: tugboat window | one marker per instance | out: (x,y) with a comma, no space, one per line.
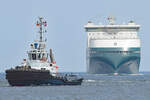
(34,56)
(39,56)
(43,55)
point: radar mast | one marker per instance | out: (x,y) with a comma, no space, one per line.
(41,23)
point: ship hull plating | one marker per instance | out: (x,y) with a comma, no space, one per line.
(113,60)
(36,78)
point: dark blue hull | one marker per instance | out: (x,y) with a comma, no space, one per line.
(42,82)
(37,77)
(60,82)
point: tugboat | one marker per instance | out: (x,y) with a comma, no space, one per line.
(40,68)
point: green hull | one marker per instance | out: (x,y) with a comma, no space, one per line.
(113,60)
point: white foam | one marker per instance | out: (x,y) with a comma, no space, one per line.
(89,80)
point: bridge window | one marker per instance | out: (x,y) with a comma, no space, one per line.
(39,56)
(33,56)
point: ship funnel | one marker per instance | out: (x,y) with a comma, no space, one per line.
(51,56)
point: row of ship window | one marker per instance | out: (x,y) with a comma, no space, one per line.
(108,35)
(33,56)
(95,38)
(111,33)
(114,51)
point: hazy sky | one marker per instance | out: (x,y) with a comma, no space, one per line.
(66,34)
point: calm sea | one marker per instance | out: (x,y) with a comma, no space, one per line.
(94,87)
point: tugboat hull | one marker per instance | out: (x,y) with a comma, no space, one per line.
(36,77)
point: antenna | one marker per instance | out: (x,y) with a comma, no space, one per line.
(41,23)
(111,20)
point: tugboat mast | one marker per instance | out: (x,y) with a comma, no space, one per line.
(41,23)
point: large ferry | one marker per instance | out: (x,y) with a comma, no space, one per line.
(113,48)
(40,68)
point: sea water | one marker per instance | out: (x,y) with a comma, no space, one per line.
(94,87)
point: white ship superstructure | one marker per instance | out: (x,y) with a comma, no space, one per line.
(113,48)
(38,56)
